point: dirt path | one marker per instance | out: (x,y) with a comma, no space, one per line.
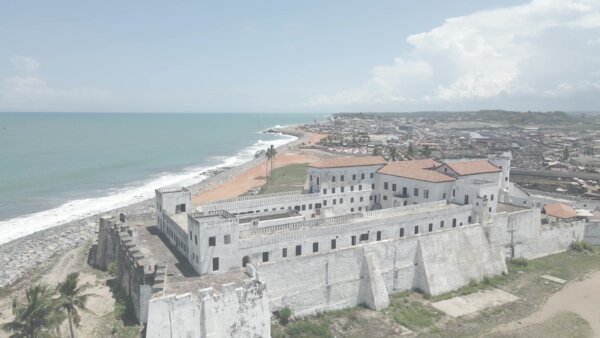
(579,297)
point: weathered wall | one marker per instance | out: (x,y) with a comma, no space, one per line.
(431,262)
(233,312)
(592,232)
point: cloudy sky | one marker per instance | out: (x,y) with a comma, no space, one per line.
(302,56)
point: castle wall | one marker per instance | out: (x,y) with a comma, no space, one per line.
(592,232)
(430,262)
(232,312)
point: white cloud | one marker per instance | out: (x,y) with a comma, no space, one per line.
(28,92)
(25,64)
(529,52)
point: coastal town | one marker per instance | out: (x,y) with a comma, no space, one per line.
(331,207)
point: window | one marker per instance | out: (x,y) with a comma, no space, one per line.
(378,235)
(426,193)
(385,185)
(215,263)
(332,178)
(362,176)
(342,178)
(212,241)
(353,240)
(416,229)
(351,188)
(227,239)
(441,224)
(190,234)
(310,206)
(298,250)
(385,197)
(491,197)
(179,208)
(373,186)
(284,252)
(416,192)
(297,208)
(265,256)
(341,201)
(454,222)
(333,190)
(359,208)
(324,203)
(401,232)
(453,192)
(316,247)
(310,178)
(303,207)
(393,187)
(333,244)
(317,181)
(444,195)
(361,198)
(196,239)
(506,178)
(364,237)
(359,187)
(466,199)
(324,191)
(342,189)
(351,199)
(490,209)
(334,200)
(469,220)
(354,177)
(371,175)
(430,227)
(351,209)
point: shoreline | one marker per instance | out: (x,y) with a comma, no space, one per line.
(23,254)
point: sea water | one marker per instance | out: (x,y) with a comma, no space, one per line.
(58,167)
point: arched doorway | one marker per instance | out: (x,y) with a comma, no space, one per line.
(246,260)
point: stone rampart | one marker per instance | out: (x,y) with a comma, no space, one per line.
(232,312)
(434,263)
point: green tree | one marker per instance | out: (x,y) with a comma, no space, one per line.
(72,299)
(38,316)
(376,151)
(392,152)
(426,152)
(411,150)
(565,153)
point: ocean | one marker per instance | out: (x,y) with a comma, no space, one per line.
(59,167)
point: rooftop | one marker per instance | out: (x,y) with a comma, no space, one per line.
(349,162)
(416,170)
(464,168)
(560,210)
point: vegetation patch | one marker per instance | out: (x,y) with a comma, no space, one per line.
(581,246)
(287,178)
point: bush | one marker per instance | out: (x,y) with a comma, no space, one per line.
(112,268)
(306,329)
(284,315)
(581,246)
(519,261)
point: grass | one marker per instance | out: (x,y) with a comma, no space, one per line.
(412,314)
(287,178)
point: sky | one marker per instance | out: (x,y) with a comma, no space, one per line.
(299,56)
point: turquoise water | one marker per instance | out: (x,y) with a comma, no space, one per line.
(58,167)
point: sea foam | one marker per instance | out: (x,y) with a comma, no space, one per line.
(17,227)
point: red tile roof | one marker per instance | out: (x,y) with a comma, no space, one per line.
(560,210)
(417,170)
(465,168)
(349,162)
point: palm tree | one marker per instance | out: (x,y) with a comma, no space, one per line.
(392,152)
(268,156)
(37,316)
(72,298)
(273,152)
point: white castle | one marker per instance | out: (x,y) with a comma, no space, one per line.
(363,228)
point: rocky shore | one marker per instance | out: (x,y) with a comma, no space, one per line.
(24,254)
